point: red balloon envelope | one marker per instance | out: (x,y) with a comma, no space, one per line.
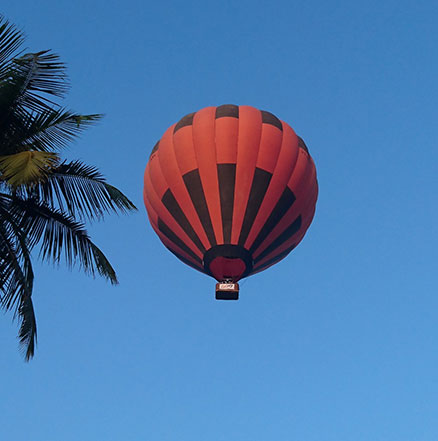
(230,190)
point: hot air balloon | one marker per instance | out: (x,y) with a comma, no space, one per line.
(230,191)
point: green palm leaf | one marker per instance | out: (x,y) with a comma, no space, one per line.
(41,198)
(16,275)
(47,131)
(10,41)
(60,236)
(12,278)
(28,330)
(27,168)
(14,250)
(81,190)
(25,89)
(38,75)
(53,130)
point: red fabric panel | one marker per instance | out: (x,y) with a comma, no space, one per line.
(172,174)
(184,150)
(282,172)
(223,267)
(152,177)
(250,132)
(153,218)
(301,183)
(205,150)
(297,237)
(270,145)
(226,133)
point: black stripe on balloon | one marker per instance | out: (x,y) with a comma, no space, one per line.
(175,210)
(231,252)
(155,148)
(196,192)
(276,259)
(302,144)
(226,174)
(269,118)
(185,260)
(283,204)
(284,236)
(176,240)
(259,186)
(227,110)
(184,121)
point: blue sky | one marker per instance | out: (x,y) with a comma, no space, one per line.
(338,341)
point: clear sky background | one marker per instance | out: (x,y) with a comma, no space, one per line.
(338,342)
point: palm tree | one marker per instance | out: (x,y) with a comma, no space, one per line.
(44,201)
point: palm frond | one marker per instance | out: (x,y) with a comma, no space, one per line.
(61,237)
(14,253)
(27,168)
(43,73)
(103,265)
(81,190)
(16,275)
(10,41)
(12,278)
(28,329)
(28,83)
(11,274)
(52,130)
(40,197)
